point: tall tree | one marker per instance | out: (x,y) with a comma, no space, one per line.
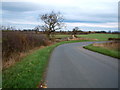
(75,30)
(36,29)
(52,22)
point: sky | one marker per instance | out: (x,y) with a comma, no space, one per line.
(88,15)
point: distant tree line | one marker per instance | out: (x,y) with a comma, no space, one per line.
(36,30)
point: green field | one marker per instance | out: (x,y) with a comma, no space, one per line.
(29,71)
(105,51)
(61,36)
(101,37)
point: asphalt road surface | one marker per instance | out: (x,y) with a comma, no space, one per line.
(72,66)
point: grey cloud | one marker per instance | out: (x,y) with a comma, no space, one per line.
(18,6)
(74,12)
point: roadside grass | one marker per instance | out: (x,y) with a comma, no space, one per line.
(100,37)
(0,78)
(105,51)
(28,72)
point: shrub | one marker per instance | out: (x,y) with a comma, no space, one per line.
(14,43)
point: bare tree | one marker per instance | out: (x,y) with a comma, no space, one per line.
(36,29)
(52,22)
(75,30)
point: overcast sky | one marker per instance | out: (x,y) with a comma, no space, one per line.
(88,15)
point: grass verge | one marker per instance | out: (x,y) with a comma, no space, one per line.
(29,71)
(105,51)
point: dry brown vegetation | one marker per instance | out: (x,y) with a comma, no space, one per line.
(16,44)
(110,45)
